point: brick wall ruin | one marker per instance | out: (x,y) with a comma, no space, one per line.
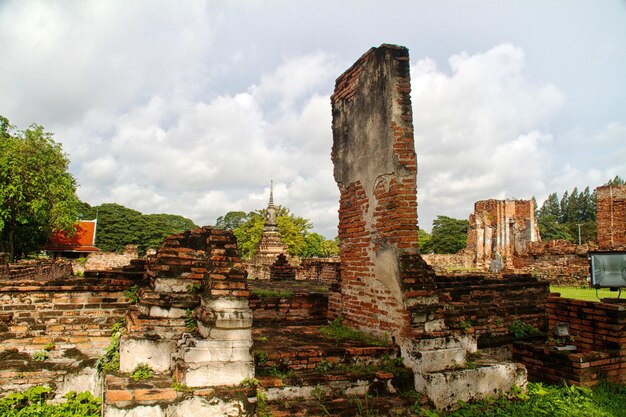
(375,169)
(557,261)
(599,335)
(501,227)
(611,218)
(74,315)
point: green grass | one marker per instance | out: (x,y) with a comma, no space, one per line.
(587,294)
(606,400)
(338,332)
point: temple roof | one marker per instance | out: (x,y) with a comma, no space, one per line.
(83,240)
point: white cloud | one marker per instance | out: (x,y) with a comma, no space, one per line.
(192,110)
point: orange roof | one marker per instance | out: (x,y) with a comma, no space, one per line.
(82,241)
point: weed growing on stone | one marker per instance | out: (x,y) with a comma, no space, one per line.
(337,331)
(261,339)
(264,293)
(276,372)
(364,407)
(262,407)
(49,346)
(131,294)
(260,357)
(464,325)
(109,361)
(33,402)
(193,288)
(40,355)
(522,329)
(250,382)
(190,321)
(180,387)
(324,366)
(320,394)
(141,372)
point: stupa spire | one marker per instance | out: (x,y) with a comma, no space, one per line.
(271,204)
(270,220)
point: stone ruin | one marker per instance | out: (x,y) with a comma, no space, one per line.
(385,285)
(193,315)
(499,230)
(195,276)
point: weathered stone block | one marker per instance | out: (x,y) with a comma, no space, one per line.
(445,389)
(155,353)
(211,374)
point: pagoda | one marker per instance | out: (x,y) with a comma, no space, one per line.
(269,247)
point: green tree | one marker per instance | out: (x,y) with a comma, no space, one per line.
(616,181)
(559,219)
(159,226)
(448,235)
(231,220)
(330,248)
(313,246)
(249,233)
(424,242)
(37,192)
(119,226)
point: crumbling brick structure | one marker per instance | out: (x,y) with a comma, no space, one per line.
(375,168)
(385,286)
(281,270)
(611,217)
(196,271)
(501,227)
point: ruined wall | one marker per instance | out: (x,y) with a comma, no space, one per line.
(599,332)
(557,261)
(40,270)
(73,314)
(611,215)
(319,269)
(491,303)
(375,169)
(100,261)
(501,226)
(463,260)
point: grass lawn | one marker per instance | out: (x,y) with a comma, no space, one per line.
(606,400)
(588,294)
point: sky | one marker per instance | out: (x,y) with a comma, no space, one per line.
(192,107)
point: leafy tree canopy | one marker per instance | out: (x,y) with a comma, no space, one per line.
(231,220)
(37,192)
(119,226)
(448,236)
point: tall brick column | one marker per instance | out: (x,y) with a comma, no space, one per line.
(375,168)
(611,216)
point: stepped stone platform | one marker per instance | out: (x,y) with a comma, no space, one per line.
(123,393)
(303,373)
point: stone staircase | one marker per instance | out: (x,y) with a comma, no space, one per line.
(302,373)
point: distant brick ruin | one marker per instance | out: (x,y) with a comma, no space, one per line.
(499,230)
(611,218)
